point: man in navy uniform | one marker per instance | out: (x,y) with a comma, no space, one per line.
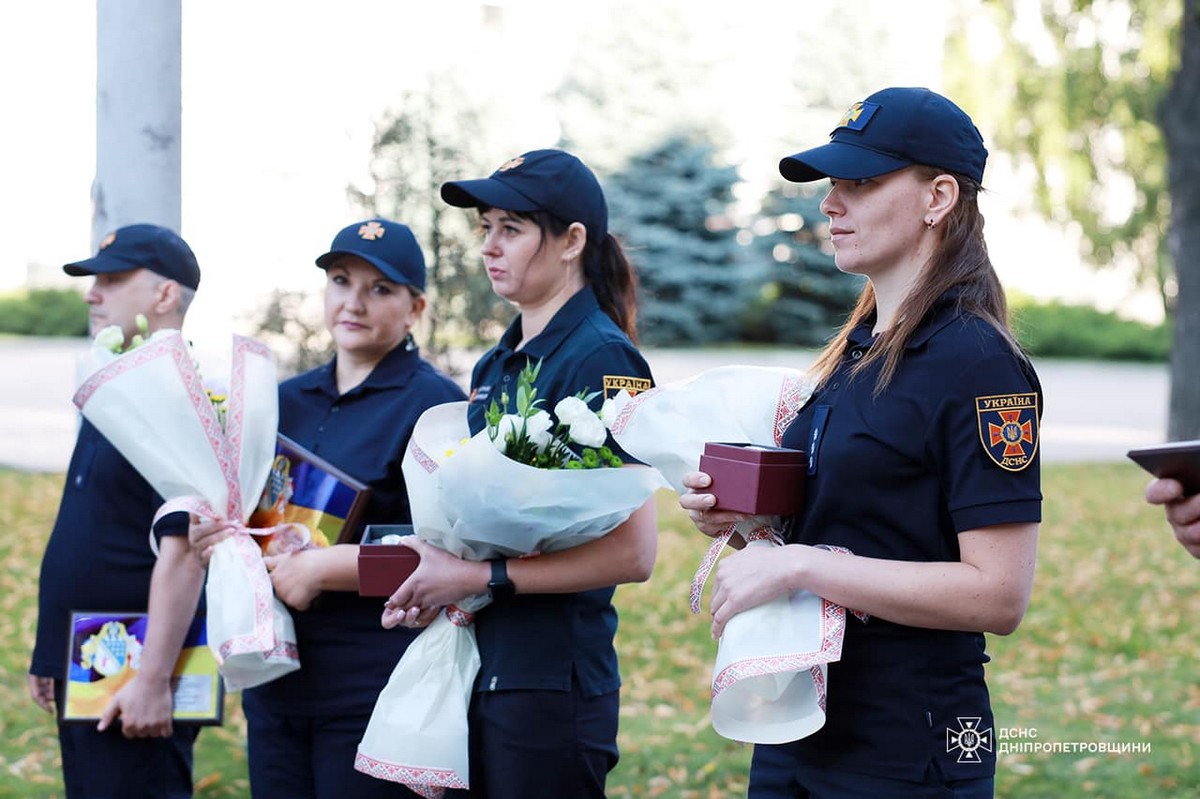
(98,557)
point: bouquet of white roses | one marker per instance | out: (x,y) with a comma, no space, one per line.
(470,497)
(209,455)
(769,676)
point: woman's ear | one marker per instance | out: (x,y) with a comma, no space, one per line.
(576,240)
(943,196)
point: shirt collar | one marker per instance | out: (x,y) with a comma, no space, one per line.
(561,325)
(394,371)
(945,309)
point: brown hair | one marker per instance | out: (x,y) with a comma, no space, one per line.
(960,262)
(606,268)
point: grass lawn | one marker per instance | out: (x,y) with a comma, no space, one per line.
(1107,654)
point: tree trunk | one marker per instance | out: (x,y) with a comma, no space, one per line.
(138,113)
(1179,116)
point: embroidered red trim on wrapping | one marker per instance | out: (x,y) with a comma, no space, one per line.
(833,634)
(422,457)
(428,782)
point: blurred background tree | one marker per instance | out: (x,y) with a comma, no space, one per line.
(1100,99)
(435,135)
(803,297)
(671,207)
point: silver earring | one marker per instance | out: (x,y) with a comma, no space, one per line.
(929,224)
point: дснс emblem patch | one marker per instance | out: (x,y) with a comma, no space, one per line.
(1008,429)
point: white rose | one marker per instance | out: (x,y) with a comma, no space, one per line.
(541,439)
(507,426)
(111,338)
(608,412)
(538,422)
(588,431)
(569,409)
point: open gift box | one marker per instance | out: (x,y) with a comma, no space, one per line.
(382,567)
(755,479)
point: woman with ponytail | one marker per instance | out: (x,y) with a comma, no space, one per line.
(543,719)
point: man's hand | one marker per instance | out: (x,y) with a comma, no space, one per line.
(42,691)
(1183,512)
(143,707)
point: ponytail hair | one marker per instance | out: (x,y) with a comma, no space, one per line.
(606,269)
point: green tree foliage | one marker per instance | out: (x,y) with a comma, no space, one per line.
(1057,330)
(1074,89)
(803,296)
(433,136)
(44,312)
(671,206)
(1103,98)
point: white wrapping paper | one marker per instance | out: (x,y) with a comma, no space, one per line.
(769,676)
(476,503)
(150,404)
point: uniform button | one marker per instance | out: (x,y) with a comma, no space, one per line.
(856,354)
(835,386)
(492,684)
(321,429)
(336,408)
(79,479)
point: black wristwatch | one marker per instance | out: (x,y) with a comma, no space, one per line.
(500,586)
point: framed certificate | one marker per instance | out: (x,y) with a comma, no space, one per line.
(305,489)
(105,651)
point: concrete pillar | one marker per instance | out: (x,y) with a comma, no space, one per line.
(138,114)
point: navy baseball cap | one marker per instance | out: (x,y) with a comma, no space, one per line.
(388,246)
(553,181)
(152,247)
(890,130)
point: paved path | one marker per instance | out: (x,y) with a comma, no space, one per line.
(1094,411)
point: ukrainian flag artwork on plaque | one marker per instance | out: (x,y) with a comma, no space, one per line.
(304,489)
(105,652)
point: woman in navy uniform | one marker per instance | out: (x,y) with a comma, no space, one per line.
(357,412)
(922,440)
(543,720)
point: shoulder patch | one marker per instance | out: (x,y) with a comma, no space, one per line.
(634,385)
(1008,429)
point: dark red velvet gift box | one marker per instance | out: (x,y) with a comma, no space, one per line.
(382,567)
(755,479)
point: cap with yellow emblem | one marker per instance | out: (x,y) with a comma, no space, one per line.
(890,130)
(142,246)
(388,246)
(553,181)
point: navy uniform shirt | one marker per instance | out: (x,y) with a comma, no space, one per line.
(346,657)
(98,556)
(538,641)
(950,446)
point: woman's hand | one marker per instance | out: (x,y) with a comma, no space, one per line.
(440,579)
(296,576)
(204,534)
(699,506)
(749,578)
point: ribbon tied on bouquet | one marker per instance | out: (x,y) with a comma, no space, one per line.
(151,405)
(770,671)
